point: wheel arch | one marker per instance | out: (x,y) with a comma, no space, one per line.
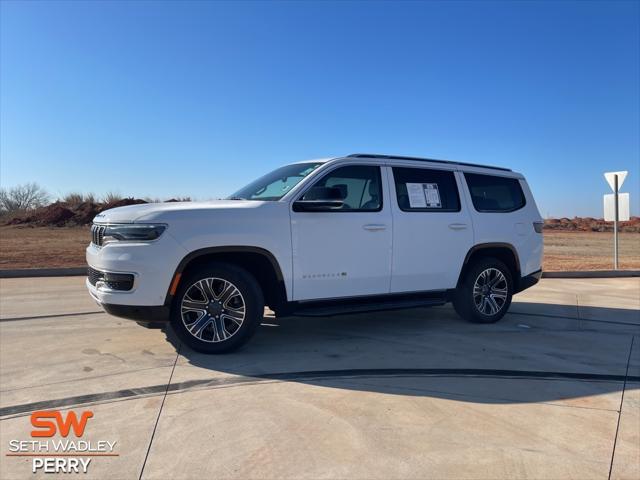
(259,262)
(504,252)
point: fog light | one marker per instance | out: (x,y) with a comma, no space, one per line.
(111,281)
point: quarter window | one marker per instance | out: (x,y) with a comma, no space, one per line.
(491,193)
(357,186)
(425,190)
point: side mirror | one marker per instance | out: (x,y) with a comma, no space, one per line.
(318,199)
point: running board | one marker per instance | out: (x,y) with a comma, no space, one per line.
(326,309)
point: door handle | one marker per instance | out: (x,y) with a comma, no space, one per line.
(457,226)
(373,227)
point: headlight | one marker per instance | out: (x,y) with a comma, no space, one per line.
(132,233)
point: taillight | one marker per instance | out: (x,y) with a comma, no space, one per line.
(537,226)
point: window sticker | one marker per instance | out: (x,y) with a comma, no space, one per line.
(416,195)
(424,195)
(432,195)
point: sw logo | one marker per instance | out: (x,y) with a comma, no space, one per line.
(48,423)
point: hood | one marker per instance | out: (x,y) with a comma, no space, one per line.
(159,212)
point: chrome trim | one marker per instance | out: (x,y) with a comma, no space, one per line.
(97,233)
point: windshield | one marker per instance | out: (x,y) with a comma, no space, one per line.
(273,186)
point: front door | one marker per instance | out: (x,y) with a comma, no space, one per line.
(344,251)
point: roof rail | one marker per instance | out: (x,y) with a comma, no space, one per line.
(449,162)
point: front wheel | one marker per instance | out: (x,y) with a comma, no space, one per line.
(217,308)
(485,293)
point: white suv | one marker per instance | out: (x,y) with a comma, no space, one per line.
(322,237)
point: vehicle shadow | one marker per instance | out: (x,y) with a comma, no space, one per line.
(537,353)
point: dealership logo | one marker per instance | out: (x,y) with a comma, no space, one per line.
(68,454)
(47,428)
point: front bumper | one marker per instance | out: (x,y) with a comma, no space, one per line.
(146,314)
(529,281)
(139,313)
(152,266)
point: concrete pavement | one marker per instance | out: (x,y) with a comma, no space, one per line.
(552,391)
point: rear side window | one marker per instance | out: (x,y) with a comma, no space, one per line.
(495,194)
(424,190)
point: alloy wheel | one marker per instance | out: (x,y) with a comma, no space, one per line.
(213,309)
(490,291)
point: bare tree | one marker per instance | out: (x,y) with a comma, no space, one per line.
(22,197)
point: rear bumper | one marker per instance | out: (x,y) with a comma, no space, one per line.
(529,280)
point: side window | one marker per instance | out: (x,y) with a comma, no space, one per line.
(424,190)
(357,186)
(490,193)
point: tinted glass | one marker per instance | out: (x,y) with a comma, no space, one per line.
(359,187)
(274,185)
(495,194)
(424,190)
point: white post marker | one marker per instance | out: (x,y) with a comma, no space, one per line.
(616,207)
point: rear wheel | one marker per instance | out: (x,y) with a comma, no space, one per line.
(485,293)
(217,308)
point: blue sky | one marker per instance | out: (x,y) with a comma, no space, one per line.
(198,98)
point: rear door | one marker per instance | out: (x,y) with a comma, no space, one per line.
(503,213)
(344,252)
(432,230)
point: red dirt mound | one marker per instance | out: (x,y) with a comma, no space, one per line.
(55,214)
(122,203)
(61,214)
(589,224)
(83,213)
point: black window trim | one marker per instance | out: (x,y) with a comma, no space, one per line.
(511,210)
(322,175)
(427,210)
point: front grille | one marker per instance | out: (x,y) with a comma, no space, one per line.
(97,234)
(114,281)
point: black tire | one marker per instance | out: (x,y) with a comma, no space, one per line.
(473,308)
(214,318)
